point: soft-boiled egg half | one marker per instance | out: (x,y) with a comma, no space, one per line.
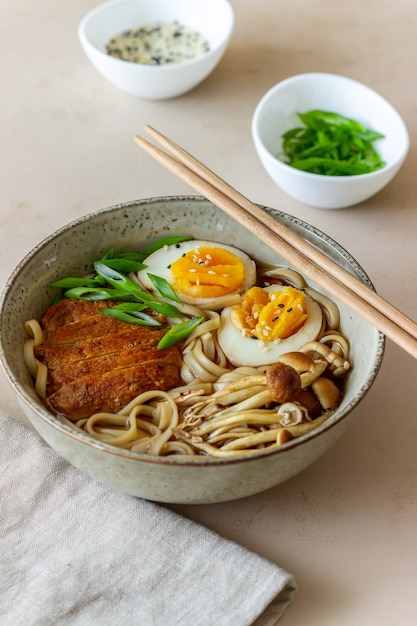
(203,273)
(267,323)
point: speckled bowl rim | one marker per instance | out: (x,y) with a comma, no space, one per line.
(68,429)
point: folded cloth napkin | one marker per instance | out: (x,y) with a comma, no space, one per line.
(75,552)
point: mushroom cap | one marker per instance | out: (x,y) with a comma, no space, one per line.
(327,392)
(283,382)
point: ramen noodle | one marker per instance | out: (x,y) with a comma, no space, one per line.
(267,364)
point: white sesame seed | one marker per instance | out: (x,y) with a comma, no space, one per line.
(211,272)
(192,270)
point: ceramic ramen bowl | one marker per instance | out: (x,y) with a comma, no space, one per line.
(135,225)
(212,19)
(276,114)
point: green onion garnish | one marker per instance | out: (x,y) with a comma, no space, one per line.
(331,144)
(179,332)
(163,287)
(113,281)
(165,241)
(133,315)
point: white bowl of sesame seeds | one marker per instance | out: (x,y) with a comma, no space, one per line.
(157,49)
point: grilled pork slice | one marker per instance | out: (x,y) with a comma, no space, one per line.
(96,363)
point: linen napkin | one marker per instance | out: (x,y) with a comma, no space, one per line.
(75,552)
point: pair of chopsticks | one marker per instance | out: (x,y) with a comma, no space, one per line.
(305,257)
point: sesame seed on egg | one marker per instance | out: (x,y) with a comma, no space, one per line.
(204,273)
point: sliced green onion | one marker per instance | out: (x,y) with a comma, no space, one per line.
(165,241)
(179,332)
(163,287)
(87,293)
(112,282)
(332,145)
(124,264)
(125,283)
(334,167)
(131,306)
(132,317)
(69,283)
(133,256)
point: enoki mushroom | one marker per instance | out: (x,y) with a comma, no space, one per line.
(245,410)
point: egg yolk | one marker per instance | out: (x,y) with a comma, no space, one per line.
(208,272)
(270,315)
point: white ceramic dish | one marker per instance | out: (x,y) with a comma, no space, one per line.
(135,225)
(212,18)
(276,113)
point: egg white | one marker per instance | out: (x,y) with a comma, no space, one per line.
(241,350)
(160,261)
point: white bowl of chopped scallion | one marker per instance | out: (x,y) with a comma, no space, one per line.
(328,140)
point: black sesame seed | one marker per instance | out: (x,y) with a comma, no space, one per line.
(289,310)
(281,306)
(156,46)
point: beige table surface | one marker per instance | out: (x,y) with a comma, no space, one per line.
(346,527)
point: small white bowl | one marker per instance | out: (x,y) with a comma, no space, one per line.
(214,19)
(277,111)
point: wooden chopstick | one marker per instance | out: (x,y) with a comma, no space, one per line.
(304,256)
